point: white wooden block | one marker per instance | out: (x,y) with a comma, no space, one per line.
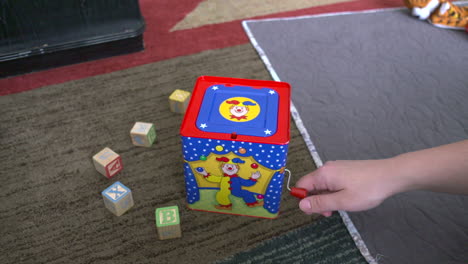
(118,198)
(179,100)
(143,134)
(107,162)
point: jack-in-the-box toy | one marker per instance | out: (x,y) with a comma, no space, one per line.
(235,137)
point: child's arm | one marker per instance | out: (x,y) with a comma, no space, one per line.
(364,184)
(440,169)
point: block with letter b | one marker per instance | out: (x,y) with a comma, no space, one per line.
(107,162)
(179,100)
(168,222)
(143,134)
(118,198)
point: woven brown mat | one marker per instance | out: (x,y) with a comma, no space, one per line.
(51,209)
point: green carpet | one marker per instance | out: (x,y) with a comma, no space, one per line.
(325,242)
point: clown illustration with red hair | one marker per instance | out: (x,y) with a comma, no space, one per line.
(239,111)
(231,183)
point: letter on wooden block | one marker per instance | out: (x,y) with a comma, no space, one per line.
(107,162)
(168,222)
(118,198)
(143,134)
(179,100)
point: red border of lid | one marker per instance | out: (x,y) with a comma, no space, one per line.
(189,129)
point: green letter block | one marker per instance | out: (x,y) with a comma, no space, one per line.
(168,222)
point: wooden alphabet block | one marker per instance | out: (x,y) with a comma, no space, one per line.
(179,100)
(168,222)
(118,198)
(107,162)
(143,134)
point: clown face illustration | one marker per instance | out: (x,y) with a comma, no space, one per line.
(239,111)
(230,169)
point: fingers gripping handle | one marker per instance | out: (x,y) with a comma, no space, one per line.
(296,192)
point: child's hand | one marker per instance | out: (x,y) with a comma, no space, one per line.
(364,184)
(349,186)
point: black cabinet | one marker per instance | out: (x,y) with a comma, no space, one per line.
(39,34)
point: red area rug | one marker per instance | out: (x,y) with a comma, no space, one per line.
(161,43)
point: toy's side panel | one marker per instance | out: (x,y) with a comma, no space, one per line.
(234,177)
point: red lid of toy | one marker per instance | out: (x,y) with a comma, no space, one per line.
(238,109)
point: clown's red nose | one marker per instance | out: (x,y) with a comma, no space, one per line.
(229,168)
(239,110)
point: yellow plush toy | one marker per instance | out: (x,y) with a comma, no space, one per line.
(422,8)
(450,16)
(440,13)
